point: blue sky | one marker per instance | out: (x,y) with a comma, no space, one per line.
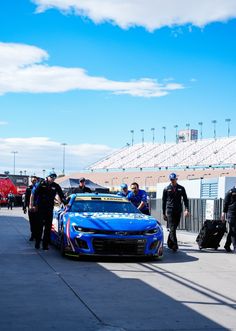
(85,73)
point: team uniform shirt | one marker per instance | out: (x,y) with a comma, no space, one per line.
(230,202)
(44,194)
(136,199)
(172,198)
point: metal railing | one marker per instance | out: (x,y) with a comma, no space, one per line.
(197,209)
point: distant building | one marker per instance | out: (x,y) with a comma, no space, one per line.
(187,135)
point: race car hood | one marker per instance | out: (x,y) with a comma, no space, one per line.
(113,221)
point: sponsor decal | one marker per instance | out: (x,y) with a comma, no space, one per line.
(101,199)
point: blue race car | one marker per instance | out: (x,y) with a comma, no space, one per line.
(105,225)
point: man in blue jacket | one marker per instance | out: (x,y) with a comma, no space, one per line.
(138,198)
(123,190)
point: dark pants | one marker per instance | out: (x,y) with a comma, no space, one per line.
(33,217)
(10,205)
(145,212)
(43,227)
(231,237)
(173,220)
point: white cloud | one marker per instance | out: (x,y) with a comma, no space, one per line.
(14,56)
(22,70)
(36,154)
(151,14)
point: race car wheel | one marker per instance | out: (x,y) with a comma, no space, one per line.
(62,244)
(157,257)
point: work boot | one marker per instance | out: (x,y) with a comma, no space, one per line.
(45,246)
(37,244)
(31,238)
(174,248)
(228,249)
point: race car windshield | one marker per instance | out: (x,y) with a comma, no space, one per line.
(103,207)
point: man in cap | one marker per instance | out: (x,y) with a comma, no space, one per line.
(172,198)
(123,190)
(81,188)
(32,215)
(10,200)
(42,202)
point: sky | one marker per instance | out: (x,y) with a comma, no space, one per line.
(86,72)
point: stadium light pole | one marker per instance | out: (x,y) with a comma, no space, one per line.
(176,133)
(188,126)
(228,120)
(164,134)
(214,125)
(153,135)
(63,158)
(142,131)
(14,161)
(200,123)
(132,137)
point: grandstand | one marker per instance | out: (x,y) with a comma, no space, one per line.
(151,163)
(192,154)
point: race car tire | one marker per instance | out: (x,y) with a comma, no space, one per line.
(157,257)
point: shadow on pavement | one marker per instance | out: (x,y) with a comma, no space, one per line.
(43,291)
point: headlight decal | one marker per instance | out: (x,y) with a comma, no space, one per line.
(153,231)
(83,230)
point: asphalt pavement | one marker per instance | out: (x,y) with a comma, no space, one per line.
(40,290)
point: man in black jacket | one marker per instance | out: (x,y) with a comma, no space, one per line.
(172,198)
(32,215)
(81,188)
(229,208)
(42,202)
